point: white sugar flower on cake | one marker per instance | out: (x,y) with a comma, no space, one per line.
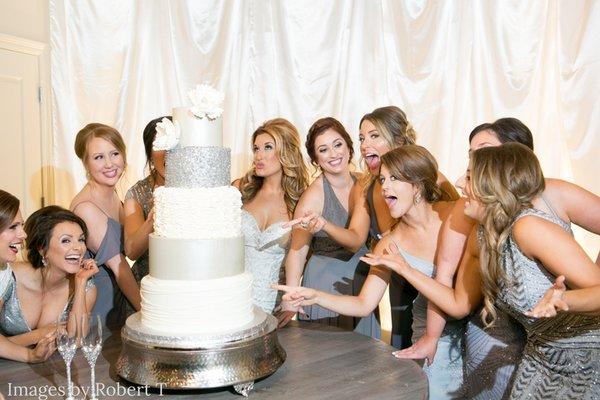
(167,135)
(206,102)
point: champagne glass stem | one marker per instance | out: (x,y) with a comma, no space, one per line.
(69,383)
(93,379)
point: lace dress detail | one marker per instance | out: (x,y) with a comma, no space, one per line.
(265,253)
(561,358)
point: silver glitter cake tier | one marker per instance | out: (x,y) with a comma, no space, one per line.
(134,330)
(193,167)
(237,363)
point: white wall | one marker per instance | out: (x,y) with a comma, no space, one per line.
(28,19)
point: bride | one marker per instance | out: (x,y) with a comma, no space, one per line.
(270,191)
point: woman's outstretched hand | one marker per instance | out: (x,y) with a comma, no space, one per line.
(424,348)
(312,222)
(552,302)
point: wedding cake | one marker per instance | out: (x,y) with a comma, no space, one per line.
(196,283)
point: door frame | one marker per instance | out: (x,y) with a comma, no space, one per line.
(42,52)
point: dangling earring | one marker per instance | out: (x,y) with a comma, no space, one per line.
(44,261)
(417,199)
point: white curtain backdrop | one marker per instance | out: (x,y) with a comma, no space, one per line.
(450,65)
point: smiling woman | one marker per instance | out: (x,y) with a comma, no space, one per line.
(327,204)
(55,282)
(102,151)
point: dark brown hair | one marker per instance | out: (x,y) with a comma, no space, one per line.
(318,128)
(415,164)
(39,227)
(9,207)
(507,130)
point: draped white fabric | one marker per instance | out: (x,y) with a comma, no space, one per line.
(450,65)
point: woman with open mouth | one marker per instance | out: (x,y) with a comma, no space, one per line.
(331,266)
(270,192)
(382,130)
(102,152)
(53,285)
(415,200)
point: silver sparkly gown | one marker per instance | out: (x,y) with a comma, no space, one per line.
(561,358)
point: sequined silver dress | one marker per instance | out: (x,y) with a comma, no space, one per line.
(142,192)
(561,358)
(12,319)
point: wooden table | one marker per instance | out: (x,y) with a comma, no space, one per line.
(322,363)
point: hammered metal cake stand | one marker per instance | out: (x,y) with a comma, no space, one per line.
(235,358)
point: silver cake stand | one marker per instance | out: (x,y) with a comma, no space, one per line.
(235,358)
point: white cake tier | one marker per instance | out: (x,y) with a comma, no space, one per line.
(197,132)
(207,306)
(197,213)
(195,259)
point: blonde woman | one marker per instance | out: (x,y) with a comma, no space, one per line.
(523,250)
(102,151)
(270,191)
(492,353)
(382,130)
(409,182)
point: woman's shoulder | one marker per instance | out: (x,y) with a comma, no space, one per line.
(24,272)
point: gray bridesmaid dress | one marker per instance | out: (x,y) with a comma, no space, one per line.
(331,268)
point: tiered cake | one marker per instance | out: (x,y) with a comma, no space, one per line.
(197,282)
(198,327)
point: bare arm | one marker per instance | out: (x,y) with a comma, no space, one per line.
(11,351)
(353,237)
(453,239)
(310,201)
(457,302)
(83,301)
(359,306)
(557,250)
(136,229)
(98,224)
(583,301)
(581,206)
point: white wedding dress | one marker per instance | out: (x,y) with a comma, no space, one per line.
(265,256)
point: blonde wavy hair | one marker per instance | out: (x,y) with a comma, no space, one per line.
(295,174)
(393,125)
(504,179)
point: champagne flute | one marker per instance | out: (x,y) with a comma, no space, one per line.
(90,332)
(66,345)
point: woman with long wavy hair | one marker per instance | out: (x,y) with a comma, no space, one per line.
(409,182)
(381,130)
(491,354)
(270,191)
(522,251)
